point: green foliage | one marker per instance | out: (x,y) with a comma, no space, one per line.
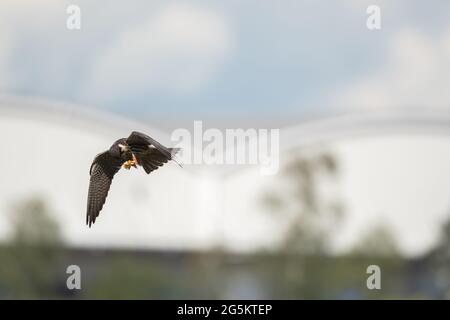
(125,278)
(378,242)
(31,261)
(311,215)
(33,225)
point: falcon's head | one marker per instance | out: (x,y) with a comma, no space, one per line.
(120,149)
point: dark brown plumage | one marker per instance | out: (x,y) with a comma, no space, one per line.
(137,150)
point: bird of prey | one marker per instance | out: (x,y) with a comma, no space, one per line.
(136,150)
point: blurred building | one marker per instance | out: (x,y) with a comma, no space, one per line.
(386,177)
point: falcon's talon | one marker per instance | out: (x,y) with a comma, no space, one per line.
(130,163)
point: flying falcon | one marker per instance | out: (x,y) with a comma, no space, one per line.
(136,150)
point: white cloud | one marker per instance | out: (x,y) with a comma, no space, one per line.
(178,50)
(416,74)
(18,20)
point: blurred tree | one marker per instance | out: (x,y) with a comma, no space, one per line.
(306,269)
(379,241)
(443,246)
(33,225)
(309,214)
(440,263)
(31,265)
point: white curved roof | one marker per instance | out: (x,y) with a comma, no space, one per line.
(50,147)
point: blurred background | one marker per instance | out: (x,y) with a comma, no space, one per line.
(364,119)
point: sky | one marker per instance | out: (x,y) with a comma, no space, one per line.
(228,61)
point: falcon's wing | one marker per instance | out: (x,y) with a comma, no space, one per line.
(139,142)
(151,158)
(102,172)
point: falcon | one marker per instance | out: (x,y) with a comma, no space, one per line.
(136,150)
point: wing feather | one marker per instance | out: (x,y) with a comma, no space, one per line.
(151,159)
(102,173)
(138,141)
(149,152)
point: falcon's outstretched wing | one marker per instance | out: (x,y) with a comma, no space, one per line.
(102,172)
(149,152)
(151,158)
(140,141)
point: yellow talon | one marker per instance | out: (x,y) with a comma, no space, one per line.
(130,163)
